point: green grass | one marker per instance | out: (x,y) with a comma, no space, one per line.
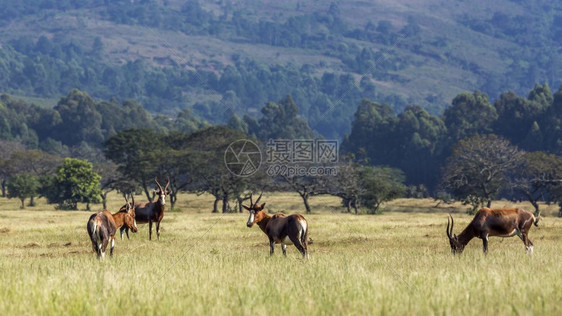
(395,263)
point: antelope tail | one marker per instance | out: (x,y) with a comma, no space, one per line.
(304,234)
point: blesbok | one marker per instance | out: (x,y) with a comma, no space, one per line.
(279,228)
(103,225)
(493,222)
(152,212)
(124,217)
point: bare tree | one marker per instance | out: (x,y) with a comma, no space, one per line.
(477,169)
(536,177)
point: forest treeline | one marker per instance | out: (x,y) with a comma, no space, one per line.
(386,155)
(51,66)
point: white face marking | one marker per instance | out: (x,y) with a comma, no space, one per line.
(251,219)
(163,199)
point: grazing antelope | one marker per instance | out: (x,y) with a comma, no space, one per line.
(151,211)
(493,222)
(280,229)
(103,225)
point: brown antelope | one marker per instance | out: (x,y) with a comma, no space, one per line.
(149,212)
(103,225)
(124,215)
(280,229)
(493,222)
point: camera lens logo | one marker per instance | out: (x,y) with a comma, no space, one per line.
(242,158)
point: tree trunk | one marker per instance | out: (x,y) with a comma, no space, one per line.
(88,206)
(240,201)
(3,188)
(355,206)
(104,200)
(304,197)
(173,199)
(225,203)
(22,204)
(145,188)
(489,204)
(536,206)
(348,204)
(31,201)
(215,205)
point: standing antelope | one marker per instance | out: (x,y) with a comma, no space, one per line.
(150,212)
(280,229)
(103,225)
(493,222)
(124,215)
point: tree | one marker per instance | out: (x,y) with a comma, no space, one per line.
(380,184)
(7,148)
(280,121)
(347,184)
(477,169)
(134,151)
(207,168)
(74,182)
(470,113)
(23,186)
(307,186)
(537,178)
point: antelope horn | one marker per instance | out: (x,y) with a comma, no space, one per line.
(450,232)
(251,203)
(258,200)
(167,184)
(158,184)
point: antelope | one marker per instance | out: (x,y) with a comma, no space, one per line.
(103,225)
(493,222)
(149,212)
(279,228)
(125,214)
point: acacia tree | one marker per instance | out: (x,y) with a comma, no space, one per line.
(536,177)
(477,169)
(207,168)
(23,186)
(74,182)
(380,184)
(7,148)
(134,152)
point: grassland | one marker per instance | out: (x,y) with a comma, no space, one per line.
(395,263)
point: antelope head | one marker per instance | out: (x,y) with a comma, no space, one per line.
(129,219)
(456,246)
(255,210)
(162,192)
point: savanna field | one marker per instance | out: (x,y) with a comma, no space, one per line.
(212,264)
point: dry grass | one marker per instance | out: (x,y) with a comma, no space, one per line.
(395,263)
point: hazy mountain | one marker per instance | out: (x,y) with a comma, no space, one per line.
(233,56)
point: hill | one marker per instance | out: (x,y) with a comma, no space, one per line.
(223,57)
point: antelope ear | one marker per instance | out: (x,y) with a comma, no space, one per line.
(244,206)
(262,206)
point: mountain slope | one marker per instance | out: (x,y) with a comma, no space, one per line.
(228,57)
